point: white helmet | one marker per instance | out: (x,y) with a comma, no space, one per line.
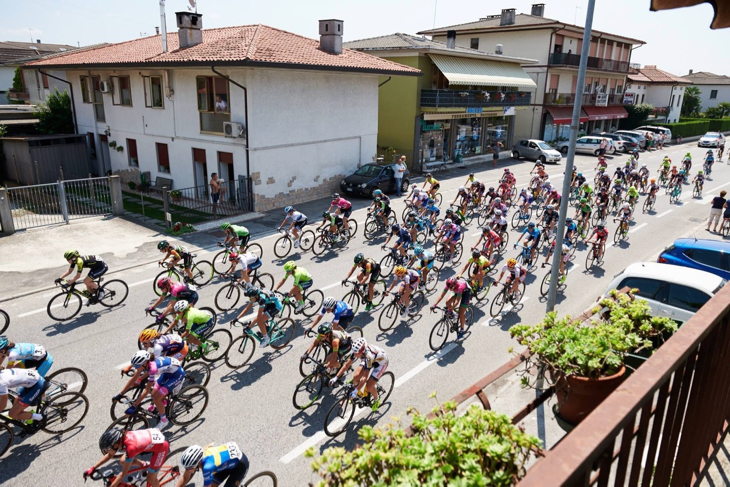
(140,358)
(329,302)
(448,221)
(181,305)
(548,182)
(498,212)
(566,248)
(358,345)
(191,457)
(643,166)
(497,199)
(462,188)
(414,186)
(625,205)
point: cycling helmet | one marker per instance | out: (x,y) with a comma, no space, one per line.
(326,214)
(628,163)
(475,254)
(497,199)
(449,212)
(394,228)
(358,345)
(181,306)
(524,190)
(163,282)
(580,174)
(531,225)
(643,166)
(329,302)
(225,226)
(359,258)
(566,248)
(290,266)
(586,185)
(191,457)
(110,438)
(699,172)
(412,214)
(550,207)
(634,172)
(461,188)
(324,328)
(548,182)
(417,191)
(140,358)
(600,226)
(450,281)
(377,192)
(335,196)
(70,254)
(428,175)
(232,256)
(471,174)
(4,342)
(163,245)
(583,200)
(288,209)
(400,271)
(148,334)
(448,221)
(568,220)
(417,250)
(251,291)
(674,167)
(491,189)
(625,206)
(497,212)
(511,263)
(378,200)
(414,186)
(506,169)
(430,201)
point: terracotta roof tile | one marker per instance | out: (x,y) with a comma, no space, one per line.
(249,44)
(652,74)
(707,78)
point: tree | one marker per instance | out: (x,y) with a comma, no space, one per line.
(691,102)
(55,114)
(720,111)
(18,81)
(637,115)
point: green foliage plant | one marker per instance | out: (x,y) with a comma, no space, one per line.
(54,116)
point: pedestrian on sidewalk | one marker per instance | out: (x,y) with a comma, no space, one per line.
(215,191)
(718,203)
(495,146)
(400,170)
(602,147)
(679,139)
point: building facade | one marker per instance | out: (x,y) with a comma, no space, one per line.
(653,86)
(557,47)
(714,88)
(292,114)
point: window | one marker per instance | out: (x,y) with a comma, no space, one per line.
(672,103)
(213,103)
(153,92)
(85,91)
(132,152)
(706,257)
(587,88)
(648,288)
(97,99)
(619,89)
(92,145)
(121,91)
(679,100)
(713,94)
(45,81)
(686,297)
(163,159)
(474,43)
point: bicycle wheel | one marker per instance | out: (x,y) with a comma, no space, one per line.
(725,228)
(264,281)
(387,264)
(355,332)
(696,193)
(388,317)
(385,386)
(282,333)
(173,276)
(202,273)
(617,235)
(504,239)
(320,245)
(188,405)
(481,294)
(130,423)
(352,299)
(370,230)
(282,246)
(64,306)
(240,352)
(220,262)
(439,334)
(306,240)
(545,286)
(64,412)
(69,379)
(6,438)
(421,238)
(4,323)
(308,391)
(170,472)
(115,292)
(339,416)
(590,259)
(312,302)
(438,199)
(458,249)
(227,297)
(416,303)
(318,355)
(212,314)
(468,317)
(497,304)
(118,408)
(218,343)
(432,279)
(352,227)
(255,249)
(197,373)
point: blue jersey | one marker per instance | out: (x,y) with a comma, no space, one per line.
(433,209)
(426,257)
(571,227)
(342,310)
(163,365)
(219,458)
(534,233)
(404,235)
(26,351)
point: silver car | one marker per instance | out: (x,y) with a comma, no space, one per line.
(638,136)
(535,150)
(711,139)
(589,144)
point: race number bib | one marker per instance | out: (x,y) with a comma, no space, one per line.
(156,436)
(234,451)
(39,352)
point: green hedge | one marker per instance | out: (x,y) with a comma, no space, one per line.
(687,129)
(720,125)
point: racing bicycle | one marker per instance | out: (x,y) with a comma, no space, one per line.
(241,350)
(202,273)
(67,304)
(449,323)
(343,410)
(220,261)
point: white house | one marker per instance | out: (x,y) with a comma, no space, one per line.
(300,114)
(663,90)
(714,88)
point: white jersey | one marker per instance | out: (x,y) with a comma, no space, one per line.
(296,216)
(371,355)
(246,260)
(14,378)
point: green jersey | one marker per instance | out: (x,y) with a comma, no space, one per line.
(480,262)
(301,275)
(196,317)
(239,231)
(632,192)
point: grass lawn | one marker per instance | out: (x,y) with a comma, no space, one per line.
(179,213)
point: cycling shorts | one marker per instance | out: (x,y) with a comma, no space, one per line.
(465,298)
(233,475)
(374,273)
(346,212)
(426,265)
(199,330)
(181,354)
(435,187)
(243,241)
(535,240)
(189,296)
(305,284)
(403,241)
(345,321)
(170,382)
(98,270)
(476,268)
(413,284)
(159,455)
(378,369)
(300,224)
(30,395)
(455,237)
(271,310)
(42,365)
(187,259)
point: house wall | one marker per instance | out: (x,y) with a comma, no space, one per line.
(7,73)
(525,43)
(34,85)
(723,95)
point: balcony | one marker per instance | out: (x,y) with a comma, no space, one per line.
(558,99)
(595,63)
(18,96)
(474,98)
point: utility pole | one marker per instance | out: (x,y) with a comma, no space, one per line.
(558,250)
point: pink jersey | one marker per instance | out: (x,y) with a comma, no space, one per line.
(176,288)
(459,287)
(341,203)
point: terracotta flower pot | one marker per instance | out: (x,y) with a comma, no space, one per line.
(579,396)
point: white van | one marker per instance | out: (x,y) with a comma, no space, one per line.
(671,291)
(656,130)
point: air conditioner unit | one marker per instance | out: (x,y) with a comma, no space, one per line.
(105,86)
(233,129)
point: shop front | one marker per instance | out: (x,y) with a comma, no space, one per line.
(557,124)
(604,119)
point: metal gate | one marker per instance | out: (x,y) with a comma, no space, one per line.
(49,204)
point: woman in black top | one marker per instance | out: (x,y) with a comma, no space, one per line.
(718,203)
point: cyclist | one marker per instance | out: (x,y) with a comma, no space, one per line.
(235,234)
(451,236)
(508,177)
(97,268)
(625,212)
(369,272)
(171,345)
(681,178)
(31,385)
(373,364)
(25,356)
(430,211)
(133,443)
(470,179)
(549,219)
(570,228)
(492,240)
(524,200)
(709,159)
(605,181)
(343,313)
(426,261)
(699,179)
(564,257)
(410,280)
(618,174)
(666,164)
(461,294)
(504,190)
(578,180)
(176,291)
(653,187)
(533,239)
(516,274)
(454,217)
(402,242)
(632,194)
(197,323)
(302,281)
(414,224)
(434,185)
(585,191)
(479,268)
(601,201)
(616,192)
(599,235)
(602,164)
(269,306)
(464,199)
(176,254)
(335,223)
(553,197)
(417,197)
(477,191)
(166,374)
(491,194)
(219,464)
(246,262)
(343,207)
(340,342)
(584,211)
(644,172)
(381,209)
(687,162)
(298,221)
(499,222)
(495,205)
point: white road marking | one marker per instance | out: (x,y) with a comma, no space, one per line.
(331,286)
(140,282)
(423,365)
(40,310)
(504,312)
(665,213)
(638,227)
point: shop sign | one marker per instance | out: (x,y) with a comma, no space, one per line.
(429,127)
(601,99)
(453,116)
(474,110)
(629,98)
(509,111)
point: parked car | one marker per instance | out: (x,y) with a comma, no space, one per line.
(671,291)
(370,177)
(588,145)
(535,150)
(656,130)
(618,141)
(711,139)
(638,136)
(703,254)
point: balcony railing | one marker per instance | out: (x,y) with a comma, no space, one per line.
(596,63)
(474,98)
(586,99)
(18,95)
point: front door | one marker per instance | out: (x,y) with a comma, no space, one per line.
(105,162)
(201,172)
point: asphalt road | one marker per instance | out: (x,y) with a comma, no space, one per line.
(253,406)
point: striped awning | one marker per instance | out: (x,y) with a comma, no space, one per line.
(480,72)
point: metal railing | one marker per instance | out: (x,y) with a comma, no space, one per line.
(473,98)
(596,63)
(196,203)
(586,99)
(663,425)
(48,204)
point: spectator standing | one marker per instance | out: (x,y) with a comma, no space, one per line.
(495,147)
(679,139)
(602,148)
(215,190)
(400,170)
(718,203)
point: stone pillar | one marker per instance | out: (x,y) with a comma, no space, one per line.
(6,216)
(115,188)
(166,204)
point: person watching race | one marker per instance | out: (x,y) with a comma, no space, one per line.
(176,254)
(372,366)
(302,281)
(298,221)
(97,268)
(369,272)
(269,306)
(219,464)
(461,294)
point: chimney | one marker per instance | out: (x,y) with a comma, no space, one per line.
(330,35)
(38,41)
(157,30)
(451,39)
(538,9)
(508,17)
(690,71)
(189,28)
(498,49)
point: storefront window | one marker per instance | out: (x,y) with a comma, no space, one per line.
(434,143)
(560,133)
(468,137)
(496,131)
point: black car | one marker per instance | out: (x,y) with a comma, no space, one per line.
(370,177)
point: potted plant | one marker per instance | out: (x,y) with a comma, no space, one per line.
(112,144)
(120,148)
(131,185)
(176,195)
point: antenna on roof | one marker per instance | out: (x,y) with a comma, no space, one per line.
(193,5)
(435,6)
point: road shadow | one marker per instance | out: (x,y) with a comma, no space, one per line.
(20,455)
(402,329)
(89,318)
